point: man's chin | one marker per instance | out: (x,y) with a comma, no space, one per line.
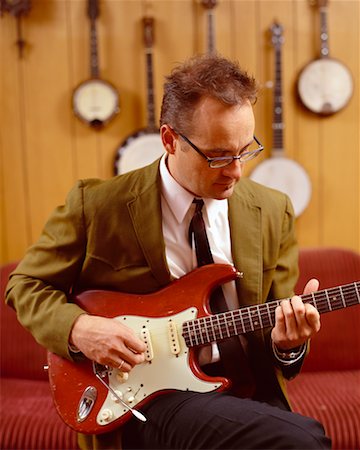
(224,193)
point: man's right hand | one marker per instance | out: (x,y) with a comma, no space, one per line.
(107,342)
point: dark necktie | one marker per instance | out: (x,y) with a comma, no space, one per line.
(231,351)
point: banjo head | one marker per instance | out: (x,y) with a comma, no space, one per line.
(95,102)
(286,176)
(325,86)
(139,150)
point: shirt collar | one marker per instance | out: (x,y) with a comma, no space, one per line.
(179,199)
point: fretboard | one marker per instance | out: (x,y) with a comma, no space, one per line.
(94,66)
(210,32)
(278,124)
(148,29)
(245,320)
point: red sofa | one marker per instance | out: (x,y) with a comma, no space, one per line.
(28,419)
(328,388)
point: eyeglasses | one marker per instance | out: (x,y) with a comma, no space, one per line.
(223,161)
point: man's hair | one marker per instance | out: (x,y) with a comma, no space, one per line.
(202,76)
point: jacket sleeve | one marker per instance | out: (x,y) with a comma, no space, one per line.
(38,289)
(285,277)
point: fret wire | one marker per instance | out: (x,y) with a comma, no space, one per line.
(328,300)
(219,325)
(357,291)
(232,324)
(250,319)
(200,331)
(192,334)
(207,319)
(227,328)
(342,297)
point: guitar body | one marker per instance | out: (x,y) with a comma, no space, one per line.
(170,365)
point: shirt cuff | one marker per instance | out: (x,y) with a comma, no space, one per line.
(290,357)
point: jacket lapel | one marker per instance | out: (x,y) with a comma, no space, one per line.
(246,241)
(145,212)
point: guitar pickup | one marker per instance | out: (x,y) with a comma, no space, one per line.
(146,338)
(173,338)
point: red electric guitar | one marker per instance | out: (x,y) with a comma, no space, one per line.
(174,323)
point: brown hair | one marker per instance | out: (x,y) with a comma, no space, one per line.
(203,75)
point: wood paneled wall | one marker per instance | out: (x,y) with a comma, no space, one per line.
(44,148)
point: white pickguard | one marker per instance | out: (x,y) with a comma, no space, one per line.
(167,366)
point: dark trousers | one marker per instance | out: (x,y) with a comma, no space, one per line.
(189,420)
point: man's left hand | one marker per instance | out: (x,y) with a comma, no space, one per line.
(295,321)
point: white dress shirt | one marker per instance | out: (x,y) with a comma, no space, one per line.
(177,211)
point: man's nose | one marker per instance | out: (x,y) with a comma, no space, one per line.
(234,169)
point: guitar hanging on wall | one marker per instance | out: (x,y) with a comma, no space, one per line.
(95,101)
(145,145)
(278,171)
(325,85)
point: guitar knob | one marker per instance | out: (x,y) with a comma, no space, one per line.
(106,415)
(122,377)
(119,396)
(130,399)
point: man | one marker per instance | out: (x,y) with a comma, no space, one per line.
(130,234)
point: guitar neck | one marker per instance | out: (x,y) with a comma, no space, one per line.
(244,320)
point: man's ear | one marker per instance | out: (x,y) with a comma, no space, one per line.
(168,138)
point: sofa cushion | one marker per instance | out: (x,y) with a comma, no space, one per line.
(20,356)
(333,398)
(29,419)
(337,345)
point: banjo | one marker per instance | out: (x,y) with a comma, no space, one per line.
(279,172)
(95,101)
(145,145)
(325,85)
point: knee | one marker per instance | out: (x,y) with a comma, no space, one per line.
(298,432)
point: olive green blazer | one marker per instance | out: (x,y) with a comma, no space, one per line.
(108,235)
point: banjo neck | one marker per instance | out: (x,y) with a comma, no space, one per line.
(278,124)
(210,5)
(324,35)
(93,13)
(148,24)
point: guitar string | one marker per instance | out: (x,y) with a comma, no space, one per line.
(241,324)
(207,329)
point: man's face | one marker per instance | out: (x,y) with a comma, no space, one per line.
(217,130)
